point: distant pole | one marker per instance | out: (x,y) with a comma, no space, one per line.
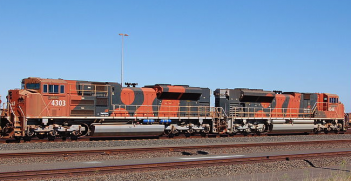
(122,57)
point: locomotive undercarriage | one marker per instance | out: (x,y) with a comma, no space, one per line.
(188,127)
(259,126)
(52,128)
(327,126)
(247,126)
(73,128)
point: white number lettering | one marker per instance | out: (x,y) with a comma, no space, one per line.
(58,102)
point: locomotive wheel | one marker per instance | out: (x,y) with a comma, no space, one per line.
(190,130)
(87,129)
(232,134)
(41,136)
(170,135)
(27,138)
(17,139)
(73,137)
(167,132)
(187,135)
(51,136)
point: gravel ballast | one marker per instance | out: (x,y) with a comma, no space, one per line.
(278,171)
(227,171)
(167,142)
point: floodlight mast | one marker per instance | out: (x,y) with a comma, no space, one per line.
(122,56)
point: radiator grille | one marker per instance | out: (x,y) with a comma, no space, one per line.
(101,88)
(101,101)
(82,102)
(82,112)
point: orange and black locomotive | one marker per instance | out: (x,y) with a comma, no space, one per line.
(51,108)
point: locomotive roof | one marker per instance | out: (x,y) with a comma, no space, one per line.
(46,80)
(331,94)
(59,80)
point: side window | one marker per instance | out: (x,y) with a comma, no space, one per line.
(45,88)
(62,89)
(56,87)
(51,88)
(334,100)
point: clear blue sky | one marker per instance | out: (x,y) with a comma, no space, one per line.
(288,45)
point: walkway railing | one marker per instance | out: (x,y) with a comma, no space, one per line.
(166,111)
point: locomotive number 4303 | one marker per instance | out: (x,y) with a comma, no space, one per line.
(58,102)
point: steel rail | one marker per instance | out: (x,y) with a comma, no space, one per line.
(90,138)
(158,149)
(158,166)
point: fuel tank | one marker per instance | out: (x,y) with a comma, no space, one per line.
(127,130)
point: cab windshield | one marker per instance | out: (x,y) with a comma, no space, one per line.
(33,86)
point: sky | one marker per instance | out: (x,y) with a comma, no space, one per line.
(287,45)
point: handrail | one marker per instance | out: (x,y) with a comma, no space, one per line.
(11,109)
(242,112)
(167,111)
(314,107)
(24,122)
(271,112)
(94,90)
(215,112)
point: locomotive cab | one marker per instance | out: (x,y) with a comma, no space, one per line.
(329,106)
(34,104)
(49,96)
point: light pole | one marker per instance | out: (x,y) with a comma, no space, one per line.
(122,57)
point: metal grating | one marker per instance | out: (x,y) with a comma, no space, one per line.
(82,112)
(82,102)
(101,101)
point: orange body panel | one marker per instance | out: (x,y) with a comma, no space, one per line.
(170,108)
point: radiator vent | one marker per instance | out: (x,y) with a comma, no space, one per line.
(82,102)
(101,101)
(82,112)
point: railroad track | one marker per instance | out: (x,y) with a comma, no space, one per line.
(161,166)
(158,149)
(88,138)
